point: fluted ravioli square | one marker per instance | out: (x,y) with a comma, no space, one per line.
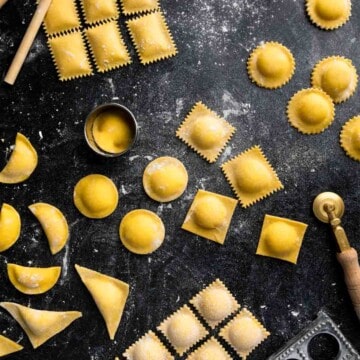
(130,7)
(96,11)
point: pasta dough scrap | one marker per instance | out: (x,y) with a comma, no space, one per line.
(107,46)
(8,346)
(215,303)
(53,223)
(141,231)
(22,162)
(281,238)
(271,65)
(210,215)
(244,333)
(182,329)
(130,7)
(99,10)
(165,179)
(10,226)
(210,350)
(96,196)
(205,132)
(33,280)
(40,325)
(251,176)
(148,347)
(329,14)
(70,56)
(109,294)
(350,138)
(152,37)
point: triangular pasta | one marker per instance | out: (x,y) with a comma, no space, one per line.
(8,346)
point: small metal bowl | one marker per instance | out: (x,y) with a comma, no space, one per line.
(123,112)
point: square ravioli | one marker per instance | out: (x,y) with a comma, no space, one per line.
(244,333)
(210,215)
(205,132)
(99,10)
(62,16)
(215,303)
(152,38)
(130,7)
(148,347)
(211,349)
(251,176)
(182,329)
(107,46)
(70,56)
(281,238)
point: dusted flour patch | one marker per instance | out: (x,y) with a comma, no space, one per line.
(350,138)
(99,10)
(210,350)
(130,7)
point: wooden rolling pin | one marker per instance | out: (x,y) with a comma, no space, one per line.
(27,41)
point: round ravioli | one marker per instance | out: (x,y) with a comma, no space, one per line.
(337,76)
(165,179)
(350,138)
(271,65)
(96,196)
(281,239)
(311,111)
(33,280)
(329,14)
(210,212)
(10,226)
(141,231)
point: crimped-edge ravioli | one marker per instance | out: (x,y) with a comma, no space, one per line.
(251,176)
(96,196)
(8,346)
(244,333)
(350,138)
(22,162)
(109,294)
(95,11)
(141,231)
(165,179)
(311,111)
(210,350)
(33,280)
(337,76)
(148,347)
(10,226)
(53,223)
(329,14)
(130,7)
(210,215)
(271,65)
(205,132)
(107,46)
(215,303)
(281,238)
(152,37)
(40,325)
(182,329)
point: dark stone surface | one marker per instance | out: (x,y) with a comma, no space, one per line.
(214,39)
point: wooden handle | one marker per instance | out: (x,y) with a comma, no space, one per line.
(27,41)
(350,264)
(2,3)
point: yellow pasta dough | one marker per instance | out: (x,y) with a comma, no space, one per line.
(182,329)
(152,38)
(244,333)
(53,223)
(148,347)
(107,46)
(205,132)
(130,7)
(22,162)
(210,350)
(329,14)
(165,179)
(337,76)
(251,176)
(99,10)
(271,65)
(40,325)
(70,56)
(350,138)
(10,226)
(311,111)
(215,303)
(109,294)
(141,231)
(96,196)
(210,215)
(8,346)
(33,280)
(281,238)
